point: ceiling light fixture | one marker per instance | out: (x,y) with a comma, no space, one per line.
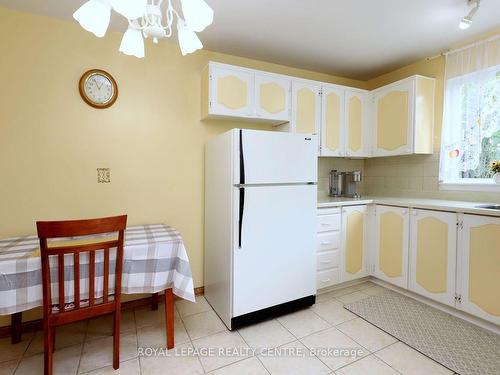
(467,20)
(146,20)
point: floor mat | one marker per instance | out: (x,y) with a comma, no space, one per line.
(453,342)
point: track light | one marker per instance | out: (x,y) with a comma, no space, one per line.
(467,20)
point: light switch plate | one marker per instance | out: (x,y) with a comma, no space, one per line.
(103,175)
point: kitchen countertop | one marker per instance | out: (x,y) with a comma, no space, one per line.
(325,201)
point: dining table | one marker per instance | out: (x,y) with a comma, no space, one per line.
(154,260)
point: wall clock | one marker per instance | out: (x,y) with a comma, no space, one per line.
(98,88)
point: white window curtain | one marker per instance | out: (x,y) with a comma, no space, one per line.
(471,112)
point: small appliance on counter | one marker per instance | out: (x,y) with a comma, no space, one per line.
(343,184)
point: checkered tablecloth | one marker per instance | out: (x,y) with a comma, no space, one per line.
(154,260)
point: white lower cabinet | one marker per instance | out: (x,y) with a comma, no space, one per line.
(433,247)
(353,250)
(391,243)
(479,267)
(328,248)
(450,258)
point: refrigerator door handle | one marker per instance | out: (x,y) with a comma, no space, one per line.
(242,160)
(242,189)
(242,208)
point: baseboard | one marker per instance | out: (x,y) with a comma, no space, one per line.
(34,325)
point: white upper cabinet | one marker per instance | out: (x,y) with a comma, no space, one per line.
(306,107)
(332,121)
(403,117)
(272,97)
(396,119)
(233,92)
(357,132)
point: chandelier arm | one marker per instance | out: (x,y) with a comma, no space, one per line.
(170,12)
(137,24)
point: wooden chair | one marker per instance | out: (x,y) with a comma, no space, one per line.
(61,313)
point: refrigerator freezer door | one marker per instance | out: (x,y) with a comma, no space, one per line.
(277,259)
(275,157)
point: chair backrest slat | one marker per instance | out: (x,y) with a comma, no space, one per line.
(77,228)
(91,278)
(60,280)
(76,265)
(105,276)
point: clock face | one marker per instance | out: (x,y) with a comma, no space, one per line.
(99,88)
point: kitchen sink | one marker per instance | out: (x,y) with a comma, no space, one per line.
(489,206)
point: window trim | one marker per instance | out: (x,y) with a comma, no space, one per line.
(470,184)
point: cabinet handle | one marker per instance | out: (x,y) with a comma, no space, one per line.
(405,212)
(325,261)
(325,280)
(326,224)
(325,243)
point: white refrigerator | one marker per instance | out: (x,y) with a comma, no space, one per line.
(260,223)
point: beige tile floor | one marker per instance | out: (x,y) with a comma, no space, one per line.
(86,348)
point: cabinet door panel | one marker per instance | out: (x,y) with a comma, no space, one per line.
(393,119)
(391,245)
(356,124)
(306,107)
(231,92)
(433,254)
(332,125)
(272,97)
(353,242)
(480,267)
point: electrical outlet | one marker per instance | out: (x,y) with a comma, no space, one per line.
(103,175)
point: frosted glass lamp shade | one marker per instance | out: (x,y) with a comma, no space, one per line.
(188,40)
(465,23)
(94,16)
(132,43)
(197,13)
(130,9)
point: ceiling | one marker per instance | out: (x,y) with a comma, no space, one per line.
(351,38)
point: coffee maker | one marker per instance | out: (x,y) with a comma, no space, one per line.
(343,184)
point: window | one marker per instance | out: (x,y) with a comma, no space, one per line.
(471,131)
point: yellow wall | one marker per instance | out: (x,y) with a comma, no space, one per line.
(51,142)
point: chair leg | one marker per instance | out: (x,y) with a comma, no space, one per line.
(53,333)
(169,317)
(116,339)
(49,349)
(16,327)
(154,301)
